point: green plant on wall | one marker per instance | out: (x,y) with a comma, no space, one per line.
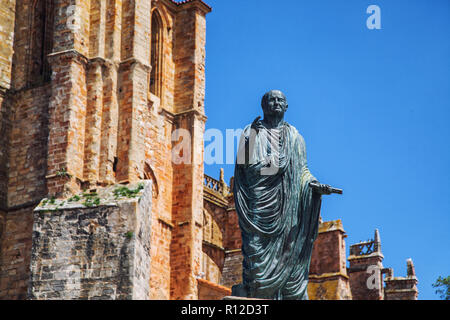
(126,192)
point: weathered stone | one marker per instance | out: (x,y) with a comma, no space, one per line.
(111,262)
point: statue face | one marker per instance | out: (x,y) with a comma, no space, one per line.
(274,103)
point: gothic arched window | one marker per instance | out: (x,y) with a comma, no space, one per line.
(156,54)
(41,41)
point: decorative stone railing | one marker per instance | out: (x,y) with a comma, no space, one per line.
(367,247)
(362,249)
(216,191)
(215,185)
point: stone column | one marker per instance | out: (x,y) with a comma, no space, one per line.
(67,114)
(189,58)
(110,118)
(67,108)
(93,121)
(133,89)
(110,114)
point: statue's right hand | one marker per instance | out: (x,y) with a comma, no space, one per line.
(321,188)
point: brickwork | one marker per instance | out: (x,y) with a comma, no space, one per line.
(7,19)
(109,124)
(328,279)
(232,269)
(27,144)
(402,288)
(233,238)
(186,246)
(94,122)
(158,160)
(159,167)
(5,127)
(330,245)
(94,112)
(365,270)
(15,253)
(67,121)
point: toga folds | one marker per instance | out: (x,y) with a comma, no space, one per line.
(278,212)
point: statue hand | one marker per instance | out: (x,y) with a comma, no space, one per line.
(322,188)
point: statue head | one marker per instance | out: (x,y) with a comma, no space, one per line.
(274,104)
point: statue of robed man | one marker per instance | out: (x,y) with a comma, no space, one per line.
(278,204)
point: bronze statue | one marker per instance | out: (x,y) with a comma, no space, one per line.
(278,204)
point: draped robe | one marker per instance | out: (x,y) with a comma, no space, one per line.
(278,213)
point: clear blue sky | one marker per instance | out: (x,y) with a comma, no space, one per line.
(372,105)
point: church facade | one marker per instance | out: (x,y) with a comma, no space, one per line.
(95,97)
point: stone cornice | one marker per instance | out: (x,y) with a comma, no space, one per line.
(378,255)
(166,222)
(72,53)
(212,245)
(214,286)
(173,116)
(187,4)
(401,279)
(134,62)
(231,251)
(329,226)
(200,115)
(400,291)
(327,276)
(169,116)
(214,198)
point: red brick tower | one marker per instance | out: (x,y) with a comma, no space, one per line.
(91,93)
(328,279)
(402,288)
(365,269)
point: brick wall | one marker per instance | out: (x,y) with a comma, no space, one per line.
(24,186)
(5,123)
(214,228)
(186,248)
(401,288)
(15,253)
(7,18)
(232,269)
(329,249)
(328,279)
(27,141)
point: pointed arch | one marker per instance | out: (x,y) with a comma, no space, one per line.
(156,53)
(149,174)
